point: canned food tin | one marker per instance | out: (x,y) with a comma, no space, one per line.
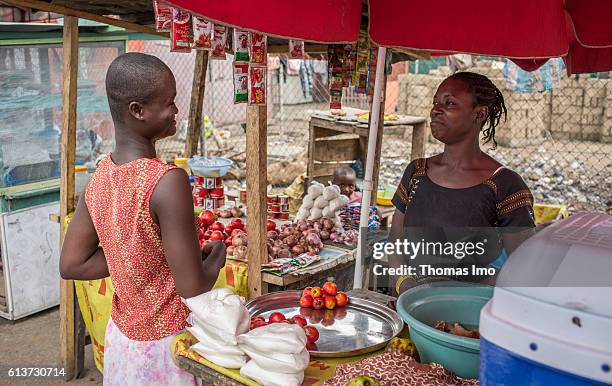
(274,208)
(217,193)
(272,215)
(283,200)
(199,191)
(218,182)
(198,202)
(272,199)
(243,195)
(284,208)
(283,216)
(199,181)
(209,182)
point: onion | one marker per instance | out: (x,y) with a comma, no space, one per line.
(275,250)
(230,250)
(239,239)
(290,241)
(225,214)
(283,253)
(312,250)
(297,250)
(328,224)
(325,235)
(272,235)
(313,239)
(240,252)
(236,212)
(279,243)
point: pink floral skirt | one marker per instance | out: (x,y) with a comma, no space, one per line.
(130,362)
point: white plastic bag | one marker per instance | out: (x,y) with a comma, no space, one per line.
(307,202)
(269,378)
(210,343)
(315,189)
(275,338)
(224,360)
(277,362)
(321,202)
(331,192)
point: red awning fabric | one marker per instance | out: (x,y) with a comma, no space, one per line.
(324,21)
(527,31)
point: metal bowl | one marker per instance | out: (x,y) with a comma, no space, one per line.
(362,326)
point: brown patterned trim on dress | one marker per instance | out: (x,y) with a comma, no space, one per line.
(420,167)
(514,201)
(491,184)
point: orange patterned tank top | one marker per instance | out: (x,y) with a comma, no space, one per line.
(146,305)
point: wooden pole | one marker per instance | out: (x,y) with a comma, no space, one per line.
(68,149)
(194,128)
(379,139)
(256,179)
(67,11)
(418,141)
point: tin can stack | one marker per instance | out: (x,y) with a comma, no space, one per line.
(278,206)
(208,192)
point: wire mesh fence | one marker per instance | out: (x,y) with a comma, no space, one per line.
(558,138)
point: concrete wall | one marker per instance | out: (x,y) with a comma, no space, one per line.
(577,109)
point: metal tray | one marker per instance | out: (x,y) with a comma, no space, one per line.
(361,327)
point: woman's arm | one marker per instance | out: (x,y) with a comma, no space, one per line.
(81,257)
(172,207)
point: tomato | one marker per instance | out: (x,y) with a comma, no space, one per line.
(307,291)
(312,334)
(258,317)
(318,304)
(341,299)
(200,235)
(276,317)
(237,223)
(235,231)
(207,234)
(299,319)
(228,230)
(258,323)
(330,288)
(270,225)
(228,242)
(207,217)
(329,302)
(216,235)
(217,226)
(306,301)
(316,292)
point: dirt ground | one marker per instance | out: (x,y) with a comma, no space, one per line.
(34,342)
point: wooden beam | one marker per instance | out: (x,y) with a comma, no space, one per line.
(256,179)
(379,139)
(194,128)
(66,11)
(68,149)
(419,131)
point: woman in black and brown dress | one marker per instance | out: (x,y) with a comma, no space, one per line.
(463,186)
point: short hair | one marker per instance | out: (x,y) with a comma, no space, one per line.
(344,171)
(132,77)
(485,93)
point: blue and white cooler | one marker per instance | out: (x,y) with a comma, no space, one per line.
(549,321)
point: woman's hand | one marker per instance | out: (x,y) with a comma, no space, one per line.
(213,255)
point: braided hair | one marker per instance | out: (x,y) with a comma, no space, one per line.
(485,93)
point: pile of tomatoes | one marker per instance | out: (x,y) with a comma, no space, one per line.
(209,229)
(312,334)
(327,297)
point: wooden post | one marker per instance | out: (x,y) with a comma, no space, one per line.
(379,139)
(68,149)
(194,128)
(256,179)
(418,141)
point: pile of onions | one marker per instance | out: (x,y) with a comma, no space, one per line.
(303,236)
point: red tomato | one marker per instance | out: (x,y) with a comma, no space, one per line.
(312,334)
(276,317)
(237,223)
(306,301)
(330,288)
(307,291)
(200,235)
(207,234)
(228,242)
(329,302)
(270,225)
(216,235)
(217,226)
(228,230)
(299,319)
(258,317)
(235,231)
(207,217)
(341,299)
(318,304)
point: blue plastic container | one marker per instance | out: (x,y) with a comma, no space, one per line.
(209,166)
(421,307)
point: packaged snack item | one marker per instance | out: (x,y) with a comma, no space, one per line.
(180,35)
(218,42)
(257,91)
(202,33)
(241,46)
(163,16)
(296,49)
(259,48)
(241,82)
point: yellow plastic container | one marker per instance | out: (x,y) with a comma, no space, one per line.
(383,198)
(182,163)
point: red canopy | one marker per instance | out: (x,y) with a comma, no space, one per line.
(527,31)
(325,21)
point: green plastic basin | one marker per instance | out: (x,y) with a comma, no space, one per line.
(422,306)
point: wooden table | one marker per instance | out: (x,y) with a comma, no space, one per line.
(336,141)
(212,377)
